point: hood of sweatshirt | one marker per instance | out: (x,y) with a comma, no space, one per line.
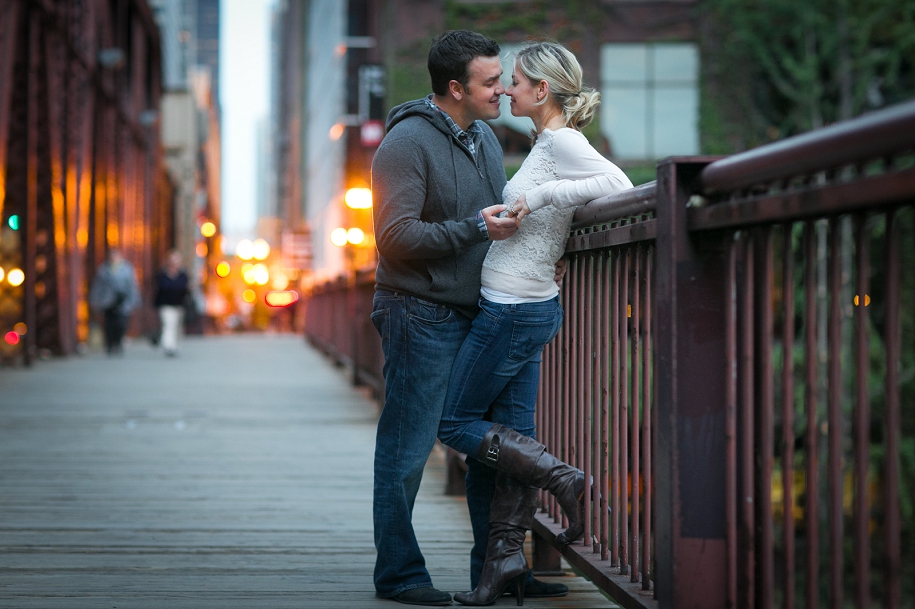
(417,107)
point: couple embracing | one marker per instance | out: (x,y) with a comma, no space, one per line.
(466,298)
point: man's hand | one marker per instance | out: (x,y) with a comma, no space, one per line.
(520,209)
(498,228)
(561,267)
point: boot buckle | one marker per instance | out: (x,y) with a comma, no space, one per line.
(492,453)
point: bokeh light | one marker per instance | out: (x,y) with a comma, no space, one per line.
(261,274)
(2,273)
(20,329)
(208,229)
(260,249)
(11,338)
(248,296)
(245,249)
(280,298)
(338,237)
(15,277)
(223,269)
(355,236)
(358,198)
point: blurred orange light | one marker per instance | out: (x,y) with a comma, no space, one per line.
(15,277)
(244,249)
(223,269)
(20,329)
(338,237)
(355,236)
(2,273)
(11,338)
(260,249)
(202,250)
(208,229)
(248,296)
(336,131)
(281,298)
(358,198)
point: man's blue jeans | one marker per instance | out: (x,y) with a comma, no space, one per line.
(495,379)
(420,340)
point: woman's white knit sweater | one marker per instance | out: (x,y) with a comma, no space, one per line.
(562,172)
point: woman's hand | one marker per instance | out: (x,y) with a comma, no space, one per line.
(519,209)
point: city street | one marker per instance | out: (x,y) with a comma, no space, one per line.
(238,474)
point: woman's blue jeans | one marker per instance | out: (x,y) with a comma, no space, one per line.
(420,340)
(495,380)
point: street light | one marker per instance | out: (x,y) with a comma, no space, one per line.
(15,277)
(338,237)
(260,249)
(245,249)
(358,198)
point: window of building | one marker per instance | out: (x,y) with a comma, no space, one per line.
(650,99)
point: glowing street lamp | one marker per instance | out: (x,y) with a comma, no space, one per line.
(260,249)
(338,237)
(358,198)
(245,249)
(15,277)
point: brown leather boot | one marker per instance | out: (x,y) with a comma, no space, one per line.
(527,460)
(511,515)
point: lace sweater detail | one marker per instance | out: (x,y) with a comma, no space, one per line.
(561,173)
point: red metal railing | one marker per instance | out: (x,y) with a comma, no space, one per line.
(733,371)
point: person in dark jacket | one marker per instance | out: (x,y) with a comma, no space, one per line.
(116,293)
(171,292)
(437,182)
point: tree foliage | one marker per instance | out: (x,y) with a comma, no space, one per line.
(781,67)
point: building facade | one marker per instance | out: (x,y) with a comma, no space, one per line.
(341,66)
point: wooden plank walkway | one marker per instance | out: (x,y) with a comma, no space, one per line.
(236,475)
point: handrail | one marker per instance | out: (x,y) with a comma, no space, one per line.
(871,136)
(632,202)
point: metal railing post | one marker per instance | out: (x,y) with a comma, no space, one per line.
(691,285)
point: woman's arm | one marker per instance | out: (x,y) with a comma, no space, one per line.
(584,175)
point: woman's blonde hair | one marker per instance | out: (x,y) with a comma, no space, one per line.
(558,66)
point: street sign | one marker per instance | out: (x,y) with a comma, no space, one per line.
(372,133)
(296,250)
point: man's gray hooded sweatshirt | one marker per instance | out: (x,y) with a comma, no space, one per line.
(427,190)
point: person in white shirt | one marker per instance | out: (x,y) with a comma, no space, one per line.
(489,409)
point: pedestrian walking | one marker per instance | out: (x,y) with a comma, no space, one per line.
(170,300)
(115,293)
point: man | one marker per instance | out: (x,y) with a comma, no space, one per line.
(437,184)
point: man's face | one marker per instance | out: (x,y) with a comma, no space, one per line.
(481,96)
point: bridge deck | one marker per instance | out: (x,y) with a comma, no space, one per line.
(237,475)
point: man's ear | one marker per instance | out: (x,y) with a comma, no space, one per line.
(456,90)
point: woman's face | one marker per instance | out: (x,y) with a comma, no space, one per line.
(523,94)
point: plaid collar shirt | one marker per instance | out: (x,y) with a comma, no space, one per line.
(467,137)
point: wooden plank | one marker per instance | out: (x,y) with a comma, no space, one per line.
(236,475)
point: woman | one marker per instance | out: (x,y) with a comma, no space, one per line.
(171,291)
(498,367)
